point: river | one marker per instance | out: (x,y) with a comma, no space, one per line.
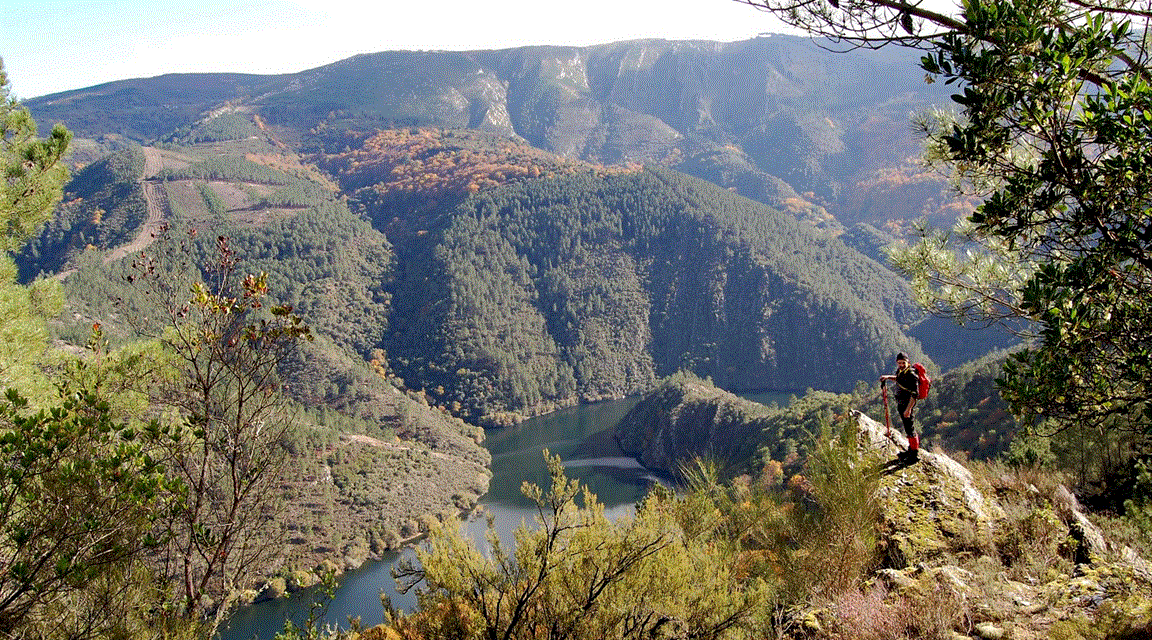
(579,435)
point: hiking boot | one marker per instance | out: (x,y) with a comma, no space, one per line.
(908,456)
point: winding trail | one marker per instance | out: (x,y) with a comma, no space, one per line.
(349,438)
(155,199)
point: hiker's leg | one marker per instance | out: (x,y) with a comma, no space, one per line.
(909,427)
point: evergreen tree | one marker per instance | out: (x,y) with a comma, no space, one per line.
(33,173)
(32,183)
(79,491)
(1054,132)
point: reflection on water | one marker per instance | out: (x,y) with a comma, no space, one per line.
(581,436)
(358,595)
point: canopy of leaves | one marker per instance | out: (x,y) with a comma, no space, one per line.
(80,498)
(1054,135)
(103,207)
(593,286)
(1060,118)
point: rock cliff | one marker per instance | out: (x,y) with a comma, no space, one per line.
(963,551)
(1005,558)
(773,117)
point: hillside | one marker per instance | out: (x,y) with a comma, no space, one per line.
(686,418)
(370,466)
(821,137)
(510,281)
(593,283)
(983,553)
(824,135)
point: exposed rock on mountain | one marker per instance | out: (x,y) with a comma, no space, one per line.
(1008,559)
(928,505)
(962,551)
(778,119)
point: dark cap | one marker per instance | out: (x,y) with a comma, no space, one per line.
(901,356)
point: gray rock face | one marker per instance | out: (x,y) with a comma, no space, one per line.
(928,505)
(765,116)
(1018,558)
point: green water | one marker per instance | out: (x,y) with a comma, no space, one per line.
(580,436)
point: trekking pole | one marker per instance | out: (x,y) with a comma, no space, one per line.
(887,420)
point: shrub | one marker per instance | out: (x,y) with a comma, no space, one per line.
(837,524)
(876,614)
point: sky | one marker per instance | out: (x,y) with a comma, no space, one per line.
(56,45)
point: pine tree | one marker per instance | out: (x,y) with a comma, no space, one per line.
(33,174)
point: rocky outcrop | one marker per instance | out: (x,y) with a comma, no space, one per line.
(928,506)
(1001,558)
(686,418)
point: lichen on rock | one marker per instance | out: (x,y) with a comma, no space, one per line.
(992,558)
(929,508)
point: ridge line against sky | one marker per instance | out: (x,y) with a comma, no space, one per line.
(49,46)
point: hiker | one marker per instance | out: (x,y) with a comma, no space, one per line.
(907,391)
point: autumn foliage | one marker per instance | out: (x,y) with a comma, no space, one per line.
(440,162)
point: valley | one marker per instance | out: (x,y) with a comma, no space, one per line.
(479,239)
(493,329)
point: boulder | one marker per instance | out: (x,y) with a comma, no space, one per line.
(927,508)
(1007,559)
(989,631)
(274,588)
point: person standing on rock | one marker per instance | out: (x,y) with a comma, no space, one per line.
(907,391)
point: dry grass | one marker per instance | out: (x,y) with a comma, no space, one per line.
(875,613)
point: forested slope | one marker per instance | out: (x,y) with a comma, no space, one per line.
(501,280)
(589,285)
(369,464)
(103,206)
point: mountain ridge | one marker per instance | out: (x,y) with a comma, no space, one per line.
(753,115)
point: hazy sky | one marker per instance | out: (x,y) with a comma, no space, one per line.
(56,45)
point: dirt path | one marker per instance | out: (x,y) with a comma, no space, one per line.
(155,198)
(374,442)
